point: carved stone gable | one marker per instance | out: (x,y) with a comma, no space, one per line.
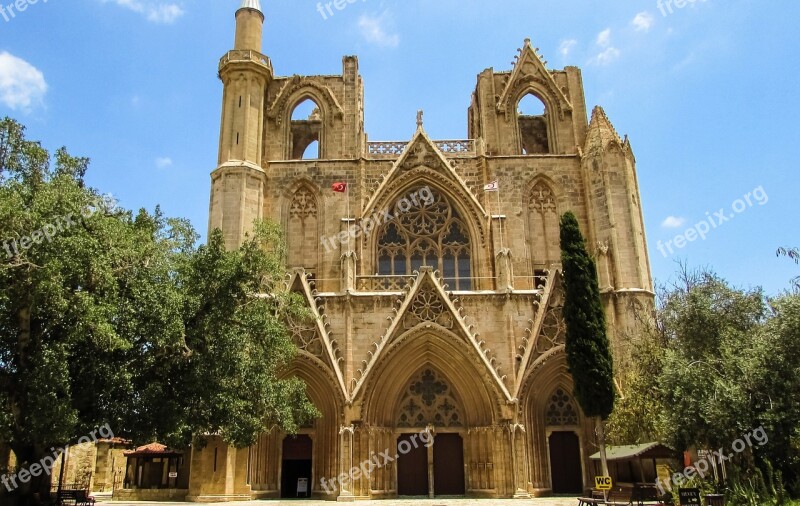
(428,306)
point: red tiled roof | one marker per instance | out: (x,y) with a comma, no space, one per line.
(153,449)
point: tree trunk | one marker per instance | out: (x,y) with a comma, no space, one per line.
(36,491)
(600,427)
(601,439)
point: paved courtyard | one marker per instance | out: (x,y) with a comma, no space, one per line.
(550,501)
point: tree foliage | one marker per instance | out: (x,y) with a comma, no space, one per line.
(716,363)
(794,254)
(109,316)
(587,347)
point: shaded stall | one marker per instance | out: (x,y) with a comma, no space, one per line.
(640,463)
(154,472)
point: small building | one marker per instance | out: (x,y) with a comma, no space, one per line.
(631,464)
(154,472)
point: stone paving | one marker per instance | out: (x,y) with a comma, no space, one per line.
(549,501)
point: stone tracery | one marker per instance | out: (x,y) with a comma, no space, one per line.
(561,409)
(431,234)
(429,400)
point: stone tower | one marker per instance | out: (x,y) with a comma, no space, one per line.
(237,183)
(437,304)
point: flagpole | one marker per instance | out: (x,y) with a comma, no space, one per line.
(500,217)
(347,197)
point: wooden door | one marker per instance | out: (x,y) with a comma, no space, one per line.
(412,468)
(448,465)
(565,463)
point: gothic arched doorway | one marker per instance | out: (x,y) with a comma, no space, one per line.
(296,468)
(565,448)
(429,401)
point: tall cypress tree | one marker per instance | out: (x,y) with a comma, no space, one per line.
(588,355)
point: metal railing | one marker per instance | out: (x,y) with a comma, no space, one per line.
(393,149)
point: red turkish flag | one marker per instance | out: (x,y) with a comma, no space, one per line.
(339,187)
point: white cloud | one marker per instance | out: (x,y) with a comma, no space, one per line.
(673,222)
(373,29)
(604,38)
(610,53)
(163,162)
(643,22)
(606,57)
(156,12)
(566,46)
(21,84)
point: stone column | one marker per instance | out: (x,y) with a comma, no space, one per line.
(516,433)
(431,430)
(346,433)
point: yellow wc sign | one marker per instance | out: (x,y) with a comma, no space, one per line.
(602,482)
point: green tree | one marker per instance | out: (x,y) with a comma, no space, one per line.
(588,355)
(794,254)
(111,317)
(716,363)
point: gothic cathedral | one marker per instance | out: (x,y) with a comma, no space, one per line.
(437,298)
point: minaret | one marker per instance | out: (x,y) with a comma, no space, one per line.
(238,181)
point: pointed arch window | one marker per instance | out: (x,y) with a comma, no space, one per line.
(532,124)
(430,234)
(306,131)
(302,232)
(545,248)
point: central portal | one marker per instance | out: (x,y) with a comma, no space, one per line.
(412,467)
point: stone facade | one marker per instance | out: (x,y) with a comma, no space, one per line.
(443,316)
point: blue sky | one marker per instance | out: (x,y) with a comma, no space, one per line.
(707,94)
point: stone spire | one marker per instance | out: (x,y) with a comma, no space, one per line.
(601,131)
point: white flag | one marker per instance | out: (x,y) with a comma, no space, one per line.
(492,187)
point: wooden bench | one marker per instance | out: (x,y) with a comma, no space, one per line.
(614,498)
(74,497)
(645,494)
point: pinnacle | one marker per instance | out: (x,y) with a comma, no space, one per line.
(600,126)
